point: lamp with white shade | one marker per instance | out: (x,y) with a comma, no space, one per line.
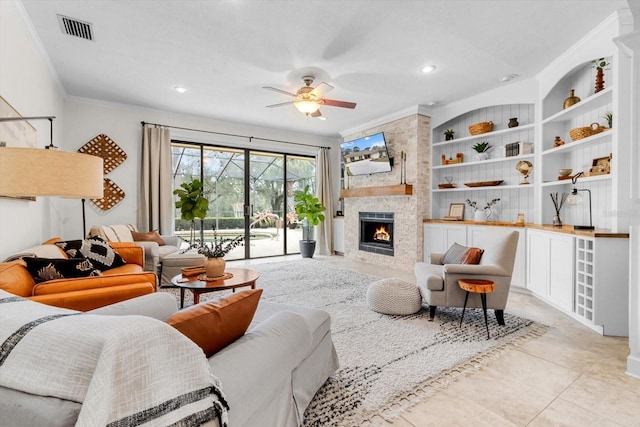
(575,199)
(33,172)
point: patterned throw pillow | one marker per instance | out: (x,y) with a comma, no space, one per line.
(44,269)
(95,248)
(458,254)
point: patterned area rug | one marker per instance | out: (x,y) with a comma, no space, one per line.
(387,363)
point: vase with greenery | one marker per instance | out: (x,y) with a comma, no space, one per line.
(192,204)
(311,212)
(215,251)
(609,118)
(482,150)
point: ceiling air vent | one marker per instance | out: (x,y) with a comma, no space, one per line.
(74,27)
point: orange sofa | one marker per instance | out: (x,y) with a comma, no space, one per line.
(86,293)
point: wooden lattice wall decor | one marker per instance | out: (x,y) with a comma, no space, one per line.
(112,195)
(103,146)
(112,157)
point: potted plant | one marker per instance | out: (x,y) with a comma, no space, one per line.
(609,118)
(310,212)
(482,150)
(192,204)
(215,252)
(448,134)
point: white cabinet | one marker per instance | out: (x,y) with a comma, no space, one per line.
(551,266)
(602,284)
(585,277)
(439,237)
(338,235)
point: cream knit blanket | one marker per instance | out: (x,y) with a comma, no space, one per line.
(124,370)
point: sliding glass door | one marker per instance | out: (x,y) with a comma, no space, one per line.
(250,193)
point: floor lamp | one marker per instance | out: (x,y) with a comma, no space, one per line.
(33,172)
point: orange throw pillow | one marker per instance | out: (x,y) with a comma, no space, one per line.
(472,256)
(215,324)
(151,236)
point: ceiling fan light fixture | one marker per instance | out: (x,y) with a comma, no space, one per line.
(429,68)
(307,106)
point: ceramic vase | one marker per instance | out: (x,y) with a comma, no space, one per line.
(479,215)
(513,122)
(481,156)
(572,99)
(214,267)
(599,81)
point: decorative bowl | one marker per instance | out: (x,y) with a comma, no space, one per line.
(564,172)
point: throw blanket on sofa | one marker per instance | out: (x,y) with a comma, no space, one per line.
(124,370)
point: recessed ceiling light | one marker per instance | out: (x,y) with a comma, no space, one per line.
(432,103)
(322,118)
(508,78)
(429,68)
(180,89)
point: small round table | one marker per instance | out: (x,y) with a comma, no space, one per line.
(241,277)
(477,286)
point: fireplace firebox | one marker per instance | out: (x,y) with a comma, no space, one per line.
(376,232)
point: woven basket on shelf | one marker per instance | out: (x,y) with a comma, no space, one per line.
(482,127)
(585,131)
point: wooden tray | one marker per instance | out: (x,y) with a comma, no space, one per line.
(447,185)
(484,183)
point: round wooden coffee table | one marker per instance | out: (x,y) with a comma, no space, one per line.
(477,286)
(241,277)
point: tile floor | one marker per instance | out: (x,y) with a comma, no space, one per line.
(571,376)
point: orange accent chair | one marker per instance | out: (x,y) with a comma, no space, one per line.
(85,293)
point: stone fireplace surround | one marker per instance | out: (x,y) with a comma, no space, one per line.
(410,134)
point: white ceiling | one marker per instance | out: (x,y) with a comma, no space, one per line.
(372,51)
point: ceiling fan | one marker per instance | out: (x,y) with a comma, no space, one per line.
(308,100)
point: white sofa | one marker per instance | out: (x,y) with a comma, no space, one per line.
(269,375)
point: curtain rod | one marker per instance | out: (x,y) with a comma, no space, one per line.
(250,138)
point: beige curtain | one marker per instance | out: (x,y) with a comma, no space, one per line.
(325,195)
(156,201)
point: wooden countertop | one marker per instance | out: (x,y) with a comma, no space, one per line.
(566,229)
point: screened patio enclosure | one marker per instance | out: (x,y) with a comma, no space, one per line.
(250,193)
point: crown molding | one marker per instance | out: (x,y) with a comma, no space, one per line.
(422,110)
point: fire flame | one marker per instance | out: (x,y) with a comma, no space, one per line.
(382,234)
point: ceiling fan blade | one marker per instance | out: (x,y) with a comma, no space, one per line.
(275,89)
(317,113)
(321,89)
(334,103)
(280,104)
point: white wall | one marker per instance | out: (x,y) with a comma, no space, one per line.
(29,85)
(85,119)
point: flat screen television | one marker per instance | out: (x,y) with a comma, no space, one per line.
(367,155)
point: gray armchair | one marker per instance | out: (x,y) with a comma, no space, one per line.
(438,283)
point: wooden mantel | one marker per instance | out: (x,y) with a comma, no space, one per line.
(387,190)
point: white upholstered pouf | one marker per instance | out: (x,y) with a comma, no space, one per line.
(394,296)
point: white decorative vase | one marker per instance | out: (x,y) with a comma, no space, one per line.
(479,215)
(481,156)
(214,267)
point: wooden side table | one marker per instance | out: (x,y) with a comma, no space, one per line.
(239,277)
(477,286)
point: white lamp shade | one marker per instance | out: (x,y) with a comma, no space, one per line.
(30,172)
